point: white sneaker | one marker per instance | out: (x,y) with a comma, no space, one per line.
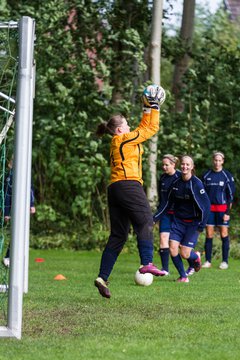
(206,265)
(190,271)
(3,288)
(223,265)
(6,262)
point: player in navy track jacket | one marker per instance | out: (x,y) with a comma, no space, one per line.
(8,204)
(8,197)
(220,187)
(191,211)
(170,174)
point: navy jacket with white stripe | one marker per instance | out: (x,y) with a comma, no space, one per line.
(189,199)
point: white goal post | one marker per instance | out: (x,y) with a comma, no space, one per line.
(22,175)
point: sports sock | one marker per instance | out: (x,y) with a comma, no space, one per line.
(225,248)
(7,252)
(193,257)
(145,248)
(177,261)
(208,249)
(108,260)
(164,255)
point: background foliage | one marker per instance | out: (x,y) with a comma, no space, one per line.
(92,61)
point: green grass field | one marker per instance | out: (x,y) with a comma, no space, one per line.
(69,320)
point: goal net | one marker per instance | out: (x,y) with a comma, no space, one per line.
(16,109)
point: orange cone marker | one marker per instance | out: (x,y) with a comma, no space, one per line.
(39,260)
(60,277)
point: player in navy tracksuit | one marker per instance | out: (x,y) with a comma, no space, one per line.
(220,187)
(8,205)
(191,211)
(166,179)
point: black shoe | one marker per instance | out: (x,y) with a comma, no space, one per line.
(102,287)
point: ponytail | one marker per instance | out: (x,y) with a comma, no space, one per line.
(101,129)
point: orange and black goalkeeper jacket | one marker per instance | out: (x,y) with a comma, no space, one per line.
(126,150)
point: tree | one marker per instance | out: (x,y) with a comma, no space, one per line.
(155,63)
(81,49)
(87,54)
(185,44)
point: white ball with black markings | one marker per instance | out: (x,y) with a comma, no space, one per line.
(143,279)
(153,94)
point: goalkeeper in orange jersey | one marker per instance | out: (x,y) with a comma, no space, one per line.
(127,200)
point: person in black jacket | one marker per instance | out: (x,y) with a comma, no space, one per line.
(8,205)
(220,187)
(170,174)
(191,211)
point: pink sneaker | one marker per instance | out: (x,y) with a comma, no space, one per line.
(150,268)
(164,272)
(197,263)
(183,279)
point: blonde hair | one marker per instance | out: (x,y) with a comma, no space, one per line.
(216,153)
(171,158)
(184,156)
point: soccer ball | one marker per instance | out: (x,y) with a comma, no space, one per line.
(153,94)
(143,279)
